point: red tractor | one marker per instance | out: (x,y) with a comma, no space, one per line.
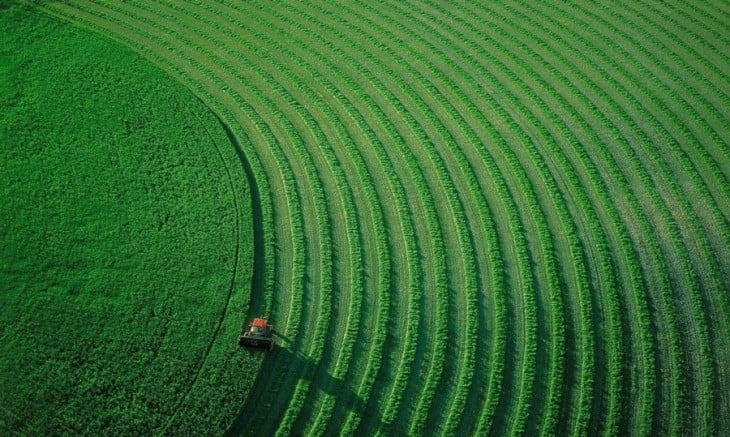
(259,334)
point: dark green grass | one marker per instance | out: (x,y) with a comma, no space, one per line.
(125,245)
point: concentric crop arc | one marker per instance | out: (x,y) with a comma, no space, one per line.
(499,218)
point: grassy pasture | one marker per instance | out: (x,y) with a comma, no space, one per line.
(126,240)
(472,218)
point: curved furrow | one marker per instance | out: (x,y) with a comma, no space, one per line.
(296,315)
(441,102)
(565,171)
(431,69)
(418,180)
(714,88)
(412,170)
(468,165)
(417,424)
(555,37)
(669,307)
(338,35)
(424,401)
(716,15)
(338,372)
(680,237)
(407,234)
(709,53)
(709,199)
(614,315)
(557,357)
(614,310)
(708,207)
(458,189)
(693,242)
(465,254)
(546,179)
(425,172)
(593,243)
(397,141)
(705,193)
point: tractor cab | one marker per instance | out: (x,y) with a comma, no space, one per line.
(260,334)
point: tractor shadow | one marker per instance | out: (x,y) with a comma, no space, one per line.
(257,297)
(276,392)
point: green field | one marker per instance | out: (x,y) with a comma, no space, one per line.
(125,262)
(462,218)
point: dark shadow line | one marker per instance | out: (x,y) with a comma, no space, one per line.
(256,297)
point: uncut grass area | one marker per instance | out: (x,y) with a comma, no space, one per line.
(125,242)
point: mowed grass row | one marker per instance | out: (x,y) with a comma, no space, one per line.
(556,312)
(387,160)
(438,364)
(435,234)
(700,200)
(433,91)
(591,232)
(546,188)
(549,185)
(677,249)
(288,55)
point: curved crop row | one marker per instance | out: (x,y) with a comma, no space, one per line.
(551,273)
(700,189)
(585,207)
(594,231)
(428,208)
(357,293)
(675,337)
(679,249)
(459,217)
(600,258)
(699,194)
(562,64)
(554,282)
